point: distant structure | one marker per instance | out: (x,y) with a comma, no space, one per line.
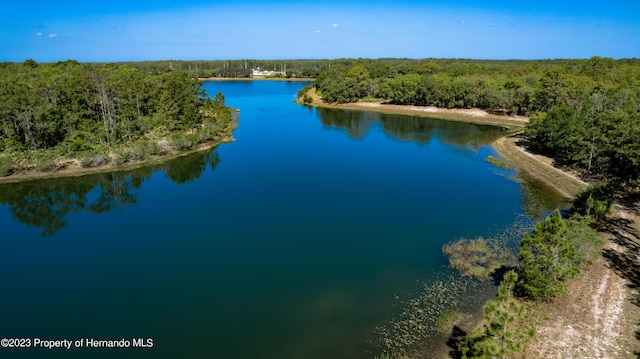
(265,73)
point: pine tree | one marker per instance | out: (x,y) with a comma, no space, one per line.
(548,260)
(505,331)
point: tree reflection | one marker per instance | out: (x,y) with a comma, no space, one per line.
(185,169)
(47,204)
(537,200)
(409,128)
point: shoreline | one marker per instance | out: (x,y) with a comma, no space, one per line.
(538,167)
(73,168)
(605,326)
(33,175)
(476,116)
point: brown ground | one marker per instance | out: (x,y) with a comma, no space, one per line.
(599,316)
(566,183)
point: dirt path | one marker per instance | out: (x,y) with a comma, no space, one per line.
(588,322)
(596,319)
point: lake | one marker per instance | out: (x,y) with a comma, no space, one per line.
(296,241)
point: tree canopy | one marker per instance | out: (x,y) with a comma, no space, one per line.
(68,109)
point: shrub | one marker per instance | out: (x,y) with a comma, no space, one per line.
(595,201)
(46,165)
(307,99)
(154,148)
(180,141)
(138,152)
(45,161)
(89,160)
(7,166)
(122,156)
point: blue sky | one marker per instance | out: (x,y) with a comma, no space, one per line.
(117,30)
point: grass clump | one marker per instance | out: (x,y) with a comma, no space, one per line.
(476,258)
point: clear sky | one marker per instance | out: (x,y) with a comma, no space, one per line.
(132,30)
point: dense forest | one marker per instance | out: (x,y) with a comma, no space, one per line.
(584,113)
(100,114)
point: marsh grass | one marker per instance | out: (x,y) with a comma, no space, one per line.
(476,258)
(499,162)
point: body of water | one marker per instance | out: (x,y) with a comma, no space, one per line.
(295,241)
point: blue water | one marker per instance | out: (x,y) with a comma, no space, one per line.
(291,242)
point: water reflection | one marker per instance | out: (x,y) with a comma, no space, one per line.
(538,198)
(46,204)
(408,128)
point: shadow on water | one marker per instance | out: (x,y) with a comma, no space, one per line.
(407,128)
(46,204)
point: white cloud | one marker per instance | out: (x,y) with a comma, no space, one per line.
(316,31)
(38,33)
(53,36)
(335,26)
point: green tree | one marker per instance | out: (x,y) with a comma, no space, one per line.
(505,331)
(548,259)
(403,89)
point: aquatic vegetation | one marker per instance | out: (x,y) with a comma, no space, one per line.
(419,317)
(499,162)
(476,258)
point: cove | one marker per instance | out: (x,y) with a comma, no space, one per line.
(295,241)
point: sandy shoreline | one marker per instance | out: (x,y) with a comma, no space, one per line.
(462,115)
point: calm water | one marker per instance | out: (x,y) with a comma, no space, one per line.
(292,242)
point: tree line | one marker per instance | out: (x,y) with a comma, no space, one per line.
(584,113)
(233,68)
(101,113)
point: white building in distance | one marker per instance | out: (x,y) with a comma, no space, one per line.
(265,73)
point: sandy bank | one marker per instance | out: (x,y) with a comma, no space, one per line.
(462,115)
(539,167)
